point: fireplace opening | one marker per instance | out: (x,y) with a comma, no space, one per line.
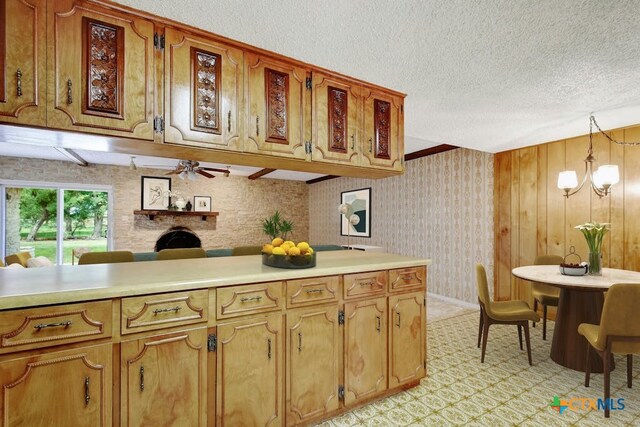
(178,237)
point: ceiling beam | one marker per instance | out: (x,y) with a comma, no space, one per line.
(261,173)
(429,151)
(72,155)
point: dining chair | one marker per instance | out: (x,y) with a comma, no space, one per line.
(546,295)
(186,253)
(18,258)
(111,257)
(501,313)
(246,250)
(618,333)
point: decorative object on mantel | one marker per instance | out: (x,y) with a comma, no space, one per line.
(154,193)
(601,179)
(201,203)
(151,214)
(356,204)
(189,206)
(578,268)
(594,233)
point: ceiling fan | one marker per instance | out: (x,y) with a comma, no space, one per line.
(187,169)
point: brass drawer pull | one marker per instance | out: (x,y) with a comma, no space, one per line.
(247,299)
(166,310)
(19,82)
(353,141)
(87,396)
(370,145)
(315,291)
(367,283)
(229,121)
(299,342)
(69,94)
(257,125)
(269,348)
(40,326)
(141,378)
(378,323)
(398,319)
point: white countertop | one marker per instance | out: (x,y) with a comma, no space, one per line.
(550,274)
(72,283)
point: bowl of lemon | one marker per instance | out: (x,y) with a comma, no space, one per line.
(282,253)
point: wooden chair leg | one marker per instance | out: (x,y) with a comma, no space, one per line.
(535,308)
(485,335)
(587,372)
(607,381)
(480,327)
(520,335)
(544,322)
(528,341)
(629,369)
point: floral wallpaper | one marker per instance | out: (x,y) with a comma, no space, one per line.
(441,209)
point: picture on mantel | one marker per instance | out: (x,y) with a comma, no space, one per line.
(202,204)
(155,193)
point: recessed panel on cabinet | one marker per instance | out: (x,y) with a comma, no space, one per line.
(368,284)
(316,290)
(203,91)
(243,300)
(407,279)
(383,130)
(407,337)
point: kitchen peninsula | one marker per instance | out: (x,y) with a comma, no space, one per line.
(223,340)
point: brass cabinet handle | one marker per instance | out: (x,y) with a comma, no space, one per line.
(370,145)
(69,94)
(269,348)
(315,291)
(257,125)
(353,141)
(299,342)
(141,378)
(166,310)
(19,82)
(367,283)
(378,322)
(398,319)
(40,326)
(229,121)
(87,396)
(247,299)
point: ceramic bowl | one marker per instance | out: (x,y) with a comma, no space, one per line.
(574,271)
(289,261)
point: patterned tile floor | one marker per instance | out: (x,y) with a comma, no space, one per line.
(504,391)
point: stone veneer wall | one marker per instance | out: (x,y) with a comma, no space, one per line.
(242,203)
(441,208)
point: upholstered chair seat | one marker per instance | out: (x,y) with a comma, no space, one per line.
(187,253)
(18,258)
(544,294)
(111,257)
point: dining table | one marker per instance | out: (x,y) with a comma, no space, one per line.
(581,301)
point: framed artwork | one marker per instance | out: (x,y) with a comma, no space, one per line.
(201,204)
(359,204)
(155,193)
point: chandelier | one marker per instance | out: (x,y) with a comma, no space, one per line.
(601,179)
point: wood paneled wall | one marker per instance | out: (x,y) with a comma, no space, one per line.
(532,216)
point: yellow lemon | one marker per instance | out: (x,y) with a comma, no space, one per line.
(290,243)
(293,251)
(303,246)
(278,251)
(267,248)
(310,251)
(277,242)
(285,246)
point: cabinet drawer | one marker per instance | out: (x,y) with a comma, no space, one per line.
(248,299)
(317,290)
(151,312)
(365,284)
(405,279)
(48,326)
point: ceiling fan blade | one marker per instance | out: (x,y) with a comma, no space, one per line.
(203,173)
(216,170)
(172,172)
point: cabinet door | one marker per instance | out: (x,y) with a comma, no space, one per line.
(312,352)
(383,130)
(365,370)
(100,70)
(337,112)
(68,388)
(407,337)
(164,380)
(22,61)
(249,378)
(203,92)
(276,107)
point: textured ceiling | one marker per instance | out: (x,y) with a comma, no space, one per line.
(484,74)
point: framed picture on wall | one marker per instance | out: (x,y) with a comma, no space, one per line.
(155,193)
(201,204)
(357,220)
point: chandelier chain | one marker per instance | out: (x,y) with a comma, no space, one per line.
(593,120)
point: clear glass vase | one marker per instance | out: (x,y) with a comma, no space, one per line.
(595,263)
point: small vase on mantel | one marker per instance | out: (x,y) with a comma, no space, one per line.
(595,263)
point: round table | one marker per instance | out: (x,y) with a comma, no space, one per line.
(581,300)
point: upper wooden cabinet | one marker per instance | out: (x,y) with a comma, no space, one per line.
(203,92)
(383,130)
(100,70)
(336,120)
(276,103)
(22,61)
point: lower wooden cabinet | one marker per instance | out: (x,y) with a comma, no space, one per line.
(407,335)
(312,363)
(65,388)
(249,372)
(365,352)
(164,380)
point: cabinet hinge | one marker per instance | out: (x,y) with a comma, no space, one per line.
(158,41)
(158,124)
(212,342)
(341,392)
(308,83)
(340,317)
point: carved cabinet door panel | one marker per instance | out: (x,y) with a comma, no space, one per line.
(100,70)
(313,356)
(277,105)
(249,375)
(203,92)
(383,129)
(336,120)
(365,352)
(67,388)
(22,61)
(407,337)
(164,380)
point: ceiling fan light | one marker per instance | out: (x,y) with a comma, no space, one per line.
(192,175)
(182,175)
(567,180)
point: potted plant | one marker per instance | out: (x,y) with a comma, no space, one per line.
(594,233)
(276,226)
